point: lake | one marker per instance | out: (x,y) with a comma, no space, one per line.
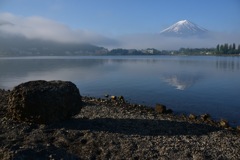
(186,84)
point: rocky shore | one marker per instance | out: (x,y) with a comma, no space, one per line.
(110,128)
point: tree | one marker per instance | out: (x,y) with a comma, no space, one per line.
(218,49)
(221,49)
(234,46)
(225,48)
(230,49)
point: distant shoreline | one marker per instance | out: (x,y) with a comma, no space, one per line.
(106,55)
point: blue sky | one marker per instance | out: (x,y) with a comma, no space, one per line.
(105,20)
(130,16)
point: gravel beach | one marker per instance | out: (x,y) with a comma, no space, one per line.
(113,129)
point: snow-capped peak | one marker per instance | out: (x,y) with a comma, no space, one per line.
(182,22)
(183,28)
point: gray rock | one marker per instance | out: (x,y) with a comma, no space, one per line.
(192,116)
(44,102)
(113,97)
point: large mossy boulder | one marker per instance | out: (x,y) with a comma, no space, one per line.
(44,102)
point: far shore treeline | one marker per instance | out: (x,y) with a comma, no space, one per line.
(54,49)
(221,49)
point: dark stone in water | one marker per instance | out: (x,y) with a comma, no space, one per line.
(121,98)
(224,123)
(205,117)
(169,111)
(106,95)
(44,102)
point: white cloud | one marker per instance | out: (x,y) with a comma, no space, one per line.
(36,27)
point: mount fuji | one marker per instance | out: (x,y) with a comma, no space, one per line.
(184,28)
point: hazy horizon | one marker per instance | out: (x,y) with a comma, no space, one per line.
(120,24)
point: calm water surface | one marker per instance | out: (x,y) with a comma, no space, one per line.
(187,84)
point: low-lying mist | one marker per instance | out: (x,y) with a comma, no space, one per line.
(49,30)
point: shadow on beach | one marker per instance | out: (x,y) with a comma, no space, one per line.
(143,127)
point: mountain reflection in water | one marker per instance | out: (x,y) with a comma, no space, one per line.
(181,82)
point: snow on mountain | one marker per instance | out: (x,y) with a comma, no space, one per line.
(183,28)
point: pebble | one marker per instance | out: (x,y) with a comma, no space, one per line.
(238,128)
